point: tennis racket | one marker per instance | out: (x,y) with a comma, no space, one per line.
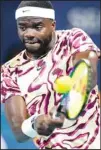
(74,101)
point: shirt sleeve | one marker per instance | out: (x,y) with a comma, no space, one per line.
(80,42)
(9,86)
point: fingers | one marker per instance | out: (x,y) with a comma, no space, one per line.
(58,120)
(54,109)
(53,123)
(45,124)
(45,129)
(57,123)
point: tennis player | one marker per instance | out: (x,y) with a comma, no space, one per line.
(27,81)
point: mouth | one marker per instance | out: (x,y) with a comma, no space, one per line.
(31,42)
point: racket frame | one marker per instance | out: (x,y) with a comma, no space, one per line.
(61,108)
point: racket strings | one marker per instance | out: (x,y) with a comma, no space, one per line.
(82,78)
(83,85)
(79,81)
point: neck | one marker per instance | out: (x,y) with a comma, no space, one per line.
(42,52)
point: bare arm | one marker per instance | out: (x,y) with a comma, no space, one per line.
(16,113)
(86,55)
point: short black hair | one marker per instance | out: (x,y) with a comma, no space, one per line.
(42,4)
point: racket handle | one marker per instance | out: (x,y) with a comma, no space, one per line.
(62,107)
(57,113)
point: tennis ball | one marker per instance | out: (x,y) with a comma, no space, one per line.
(63,84)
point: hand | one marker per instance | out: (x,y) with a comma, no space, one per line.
(45,124)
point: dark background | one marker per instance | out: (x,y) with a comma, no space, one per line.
(82,14)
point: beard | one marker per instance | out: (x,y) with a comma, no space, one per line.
(38,47)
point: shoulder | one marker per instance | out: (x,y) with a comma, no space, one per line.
(78,31)
(14,62)
(61,33)
(70,32)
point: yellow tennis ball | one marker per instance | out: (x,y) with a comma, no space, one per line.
(63,84)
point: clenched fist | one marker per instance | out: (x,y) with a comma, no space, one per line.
(45,124)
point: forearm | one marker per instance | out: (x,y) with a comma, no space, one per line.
(20,136)
(90,55)
(16,113)
(16,128)
(26,129)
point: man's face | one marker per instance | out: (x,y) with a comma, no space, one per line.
(35,33)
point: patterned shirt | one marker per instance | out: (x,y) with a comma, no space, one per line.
(34,79)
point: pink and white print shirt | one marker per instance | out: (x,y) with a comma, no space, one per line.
(33,79)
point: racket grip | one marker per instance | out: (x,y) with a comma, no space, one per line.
(57,113)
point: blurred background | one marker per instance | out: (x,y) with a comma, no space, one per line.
(82,14)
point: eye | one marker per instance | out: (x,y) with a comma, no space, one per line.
(39,27)
(23,28)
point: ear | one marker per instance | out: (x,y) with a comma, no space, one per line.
(53,24)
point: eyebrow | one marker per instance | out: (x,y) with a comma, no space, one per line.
(25,23)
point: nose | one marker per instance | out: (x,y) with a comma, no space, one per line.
(30,33)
